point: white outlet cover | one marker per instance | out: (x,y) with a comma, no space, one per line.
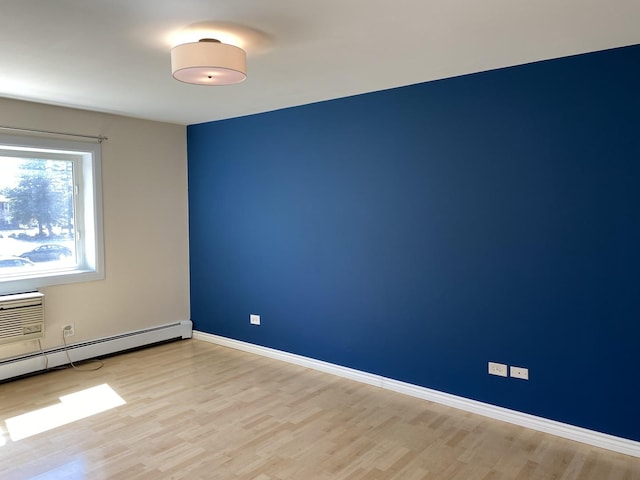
(254,319)
(519,372)
(499,369)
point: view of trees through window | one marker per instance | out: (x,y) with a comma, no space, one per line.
(36,214)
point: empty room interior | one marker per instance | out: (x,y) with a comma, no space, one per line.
(319,240)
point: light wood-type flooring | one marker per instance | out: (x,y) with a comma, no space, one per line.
(195,410)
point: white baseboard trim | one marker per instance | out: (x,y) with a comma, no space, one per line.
(571,432)
(35,362)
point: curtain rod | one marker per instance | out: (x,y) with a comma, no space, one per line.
(99,138)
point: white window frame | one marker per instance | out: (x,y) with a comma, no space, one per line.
(88,212)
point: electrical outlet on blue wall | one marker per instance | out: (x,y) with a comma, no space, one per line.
(499,369)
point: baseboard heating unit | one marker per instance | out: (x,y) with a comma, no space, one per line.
(35,362)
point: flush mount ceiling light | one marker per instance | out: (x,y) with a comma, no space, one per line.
(208,62)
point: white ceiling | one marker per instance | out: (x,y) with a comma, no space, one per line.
(113,55)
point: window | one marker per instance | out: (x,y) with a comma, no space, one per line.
(50,213)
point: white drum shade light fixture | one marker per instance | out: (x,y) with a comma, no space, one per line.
(208,62)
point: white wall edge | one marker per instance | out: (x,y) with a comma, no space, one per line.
(564,430)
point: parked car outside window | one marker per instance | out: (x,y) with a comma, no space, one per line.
(48,252)
(9,263)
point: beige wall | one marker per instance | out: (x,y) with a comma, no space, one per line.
(144,182)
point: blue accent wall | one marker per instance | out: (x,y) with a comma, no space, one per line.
(420,232)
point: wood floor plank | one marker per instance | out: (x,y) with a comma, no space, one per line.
(200,411)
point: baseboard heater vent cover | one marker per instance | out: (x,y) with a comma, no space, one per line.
(35,362)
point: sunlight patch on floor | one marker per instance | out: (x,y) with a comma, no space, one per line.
(71,408)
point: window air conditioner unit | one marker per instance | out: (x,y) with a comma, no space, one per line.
(21,317)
